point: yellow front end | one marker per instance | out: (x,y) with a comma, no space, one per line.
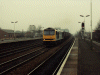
(49,38)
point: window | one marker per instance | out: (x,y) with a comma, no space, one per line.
(49,32)
(52,32)
(46,32)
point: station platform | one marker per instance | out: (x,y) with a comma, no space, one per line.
(16,40)
(69,66)
(81,60)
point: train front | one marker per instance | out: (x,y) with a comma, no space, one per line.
(49,36)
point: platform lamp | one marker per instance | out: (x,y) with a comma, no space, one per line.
(14,28)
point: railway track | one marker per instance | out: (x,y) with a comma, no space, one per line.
(8,65)
(30,63)
(12,46)
(18,50)
(51,65)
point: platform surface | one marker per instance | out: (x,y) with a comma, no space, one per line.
(70,67)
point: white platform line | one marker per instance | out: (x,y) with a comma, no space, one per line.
(61,68)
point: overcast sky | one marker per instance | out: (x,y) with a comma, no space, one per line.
(48,13)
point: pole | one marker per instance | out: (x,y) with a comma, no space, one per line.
(91,25)
(84,28)
(14,30)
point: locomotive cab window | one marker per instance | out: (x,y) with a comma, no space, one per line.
(52,32)
(49,32)
(46,32)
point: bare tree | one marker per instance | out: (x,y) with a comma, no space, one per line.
(98,25)
(31,31)
(96,33)
(39,31)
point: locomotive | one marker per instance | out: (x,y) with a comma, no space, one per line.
(53,36)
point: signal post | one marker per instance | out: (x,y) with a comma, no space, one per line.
(83,31)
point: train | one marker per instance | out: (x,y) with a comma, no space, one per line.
(52,36)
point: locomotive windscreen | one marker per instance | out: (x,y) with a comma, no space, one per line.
(49,32)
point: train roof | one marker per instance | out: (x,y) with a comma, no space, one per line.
(49,29)
(53,29)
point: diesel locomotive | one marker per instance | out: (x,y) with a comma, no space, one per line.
(53,36)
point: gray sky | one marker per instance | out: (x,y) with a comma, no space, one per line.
(48,13)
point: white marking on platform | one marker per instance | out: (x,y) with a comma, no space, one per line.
(61,68)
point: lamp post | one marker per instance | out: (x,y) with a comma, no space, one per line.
(14,28)
(91,23)
(79,22)
(84,17)
(84,23)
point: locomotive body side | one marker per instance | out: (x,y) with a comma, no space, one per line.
(52,36)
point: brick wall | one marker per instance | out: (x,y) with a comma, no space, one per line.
(5,35)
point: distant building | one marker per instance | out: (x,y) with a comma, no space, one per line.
(19,34)
(38,33)
(8,34)
(29,34)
